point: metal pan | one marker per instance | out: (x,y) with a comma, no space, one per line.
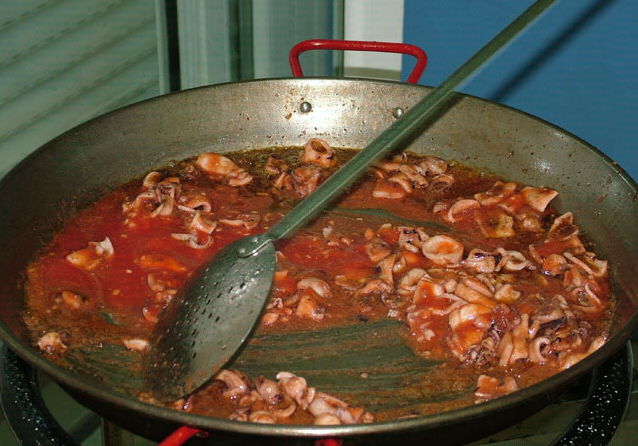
(73,170)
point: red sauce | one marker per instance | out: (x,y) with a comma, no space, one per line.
(463,312)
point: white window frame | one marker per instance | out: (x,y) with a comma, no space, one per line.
(374,20)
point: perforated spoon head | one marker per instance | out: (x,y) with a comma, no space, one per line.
(207,322)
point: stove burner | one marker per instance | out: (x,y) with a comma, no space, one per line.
(603,410)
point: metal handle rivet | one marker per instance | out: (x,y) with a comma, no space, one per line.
(305,107)
(398,112)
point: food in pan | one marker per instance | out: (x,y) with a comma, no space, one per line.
(483,273)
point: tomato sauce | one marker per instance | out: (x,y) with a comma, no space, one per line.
(485,276)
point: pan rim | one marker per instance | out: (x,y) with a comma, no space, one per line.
(80,384)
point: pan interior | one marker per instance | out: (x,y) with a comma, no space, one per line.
(76,168)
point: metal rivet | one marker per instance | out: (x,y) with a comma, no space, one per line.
(397,112)
(305,107)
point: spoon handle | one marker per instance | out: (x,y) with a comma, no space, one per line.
(398,132)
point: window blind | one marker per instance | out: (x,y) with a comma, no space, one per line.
(63,62)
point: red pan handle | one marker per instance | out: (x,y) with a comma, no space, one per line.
(181,435)
(359,45)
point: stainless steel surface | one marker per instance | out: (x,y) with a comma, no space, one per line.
(73,170)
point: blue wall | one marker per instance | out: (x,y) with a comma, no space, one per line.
(577,67)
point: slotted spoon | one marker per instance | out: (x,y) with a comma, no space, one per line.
(213,315)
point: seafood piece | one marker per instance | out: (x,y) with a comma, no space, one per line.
(411,239)
(489,388)
(240,414)
(304,180)
(474,291)
(496,194)
(270,318)
(154,283)
(427,289)
(237,383)
(390,190)
(317,285)
(513,205)
(266,401)
(480,261)
(569,359)
(135,344)
(262,416)
(443,250)
(166,192)
(495,223)
(554,265)
(308,308)
(377,249)
(192,240)
(538,198)
(462,209)
(589,263)
(574,277)
(214,163)
(159,262)
(283,182)
(468,324)
(374,287)
(563,228)
(221,166)
(191,201)
(91,256)
(269,390)
(408,283)
(72,300)
(441,183)
(507,294)
(319,152)
(51,342)
(512,260)
(470,313)
(520,335)
(327,419)
(402,180)
(328,404)
(285,412)
(159,194)
(588,300)
(505,349)
(433,166)
(440,207)
(386,268)
(151,312)
(296,388)
(598,266)
(414,174)
(529,223)
(248,221)
(151,179)
(389,166)
(275,165)
(202,224)
(536,349)
(576,261)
